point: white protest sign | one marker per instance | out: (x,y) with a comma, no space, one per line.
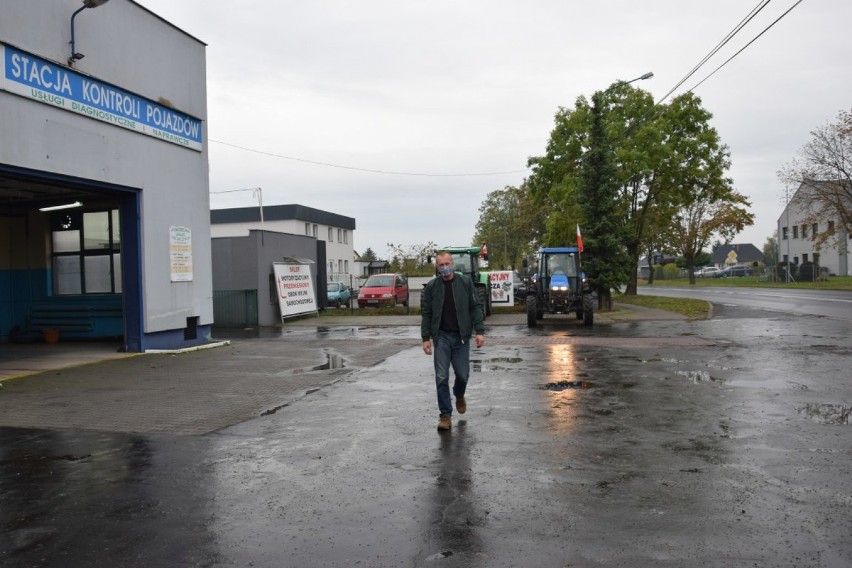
(502,291)
(295,289)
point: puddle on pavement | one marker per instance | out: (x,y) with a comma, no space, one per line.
(332,361)
(699,377)
(321,330)
(494,364)
(565,385)
(826,413)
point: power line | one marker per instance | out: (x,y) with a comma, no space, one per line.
(754,11)
(746,45)
(357,169)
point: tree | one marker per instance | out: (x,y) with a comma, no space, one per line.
(410,259)
(604,225)
(770,252)
(368,255)
(722,214)
(622,168)
(823,169)
(510,222)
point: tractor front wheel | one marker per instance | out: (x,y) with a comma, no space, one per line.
(532,310)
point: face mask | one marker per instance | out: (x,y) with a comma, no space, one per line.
(445,270)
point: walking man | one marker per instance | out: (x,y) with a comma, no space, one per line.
(451,313)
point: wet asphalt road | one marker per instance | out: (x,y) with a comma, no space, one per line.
(645,443)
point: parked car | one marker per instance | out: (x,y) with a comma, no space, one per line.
(733,271)
(338,294)
(706,272)
(383,290)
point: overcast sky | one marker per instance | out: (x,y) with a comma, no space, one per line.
(472,86)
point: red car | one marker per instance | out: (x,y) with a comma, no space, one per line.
(383,290)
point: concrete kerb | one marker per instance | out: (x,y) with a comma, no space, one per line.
(620,312)
(190,349)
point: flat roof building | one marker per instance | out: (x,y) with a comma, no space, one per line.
(106,117)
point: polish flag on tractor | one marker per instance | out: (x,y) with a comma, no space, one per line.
(579,239)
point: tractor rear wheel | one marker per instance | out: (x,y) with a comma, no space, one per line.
(483,298)
(588,309)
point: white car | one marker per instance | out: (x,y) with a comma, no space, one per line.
(706,272)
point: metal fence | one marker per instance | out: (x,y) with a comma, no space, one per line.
(235,307)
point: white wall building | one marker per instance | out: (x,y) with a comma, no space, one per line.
(798,228)
(114,121)
(337,231)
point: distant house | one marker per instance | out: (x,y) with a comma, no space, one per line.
(336,231)
(738,255)
(799,227)
(368,267)
(658,259)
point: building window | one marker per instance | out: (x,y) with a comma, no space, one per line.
(315,230)
(831,227)
(331,267)
(795,231)
(805,257)
(86,255)
(340,266)
(346,237)
(814,230)
(785,259)
(308,229)
(784,233)
(804,232)
(330,235)
(340,235)
(346,266)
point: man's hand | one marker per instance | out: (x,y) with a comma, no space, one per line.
(480,340)
(427,347)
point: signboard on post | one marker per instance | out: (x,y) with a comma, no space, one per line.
(502,290)
(295,287)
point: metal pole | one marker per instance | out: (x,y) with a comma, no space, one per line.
(73,52)
(789,233)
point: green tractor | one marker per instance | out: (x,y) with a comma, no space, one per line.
(466,261)
(559,286)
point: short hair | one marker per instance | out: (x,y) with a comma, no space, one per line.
(443,252)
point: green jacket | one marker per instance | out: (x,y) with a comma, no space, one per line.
(468,308)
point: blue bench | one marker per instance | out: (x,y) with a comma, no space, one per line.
(71,318)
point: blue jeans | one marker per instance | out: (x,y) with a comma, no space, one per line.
(450,350)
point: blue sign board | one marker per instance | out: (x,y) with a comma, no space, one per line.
(40,80)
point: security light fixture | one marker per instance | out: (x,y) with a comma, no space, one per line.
(86,4)
(63,206)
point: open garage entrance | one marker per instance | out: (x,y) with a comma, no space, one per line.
(70,251)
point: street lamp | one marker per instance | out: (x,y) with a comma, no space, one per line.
(647,75)
(86,4)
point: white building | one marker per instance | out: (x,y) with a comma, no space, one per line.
(103,106)
(337,231)
(798,228)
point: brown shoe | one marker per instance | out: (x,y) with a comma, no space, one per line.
(445,423)
(461,404)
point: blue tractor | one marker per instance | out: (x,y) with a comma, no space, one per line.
(559,286)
